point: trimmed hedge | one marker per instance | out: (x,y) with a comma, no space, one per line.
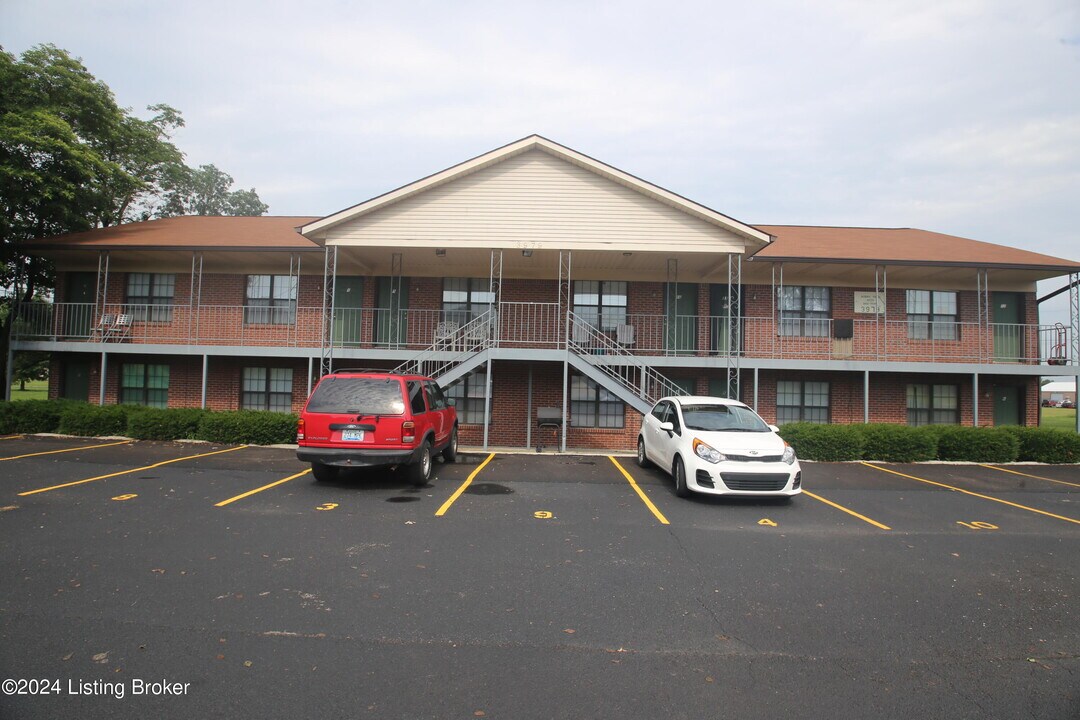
(91,420)
(897,443)
(248,427)
(31,416)
(988,445)
(1046,445)
(171,424)
(826,443)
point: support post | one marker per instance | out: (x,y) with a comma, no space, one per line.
(101,385)
(528,410)
(10,371)
(399,334)
(205,368)
(487,401)
(310,367)
(755,389)
(329,283)
(866,397)
(101,292)
(565,291)
(494,290)
(975,400)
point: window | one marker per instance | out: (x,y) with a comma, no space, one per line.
(593,406)
(933,405)
(932,315)
(267,389)
(804,311)
(145,289)
(416,397)
(466,298)
(602,304)
(798,401)
(435,395)
(270,300)
(468,396)
(144,385)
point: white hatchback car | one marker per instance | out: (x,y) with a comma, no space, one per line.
(717,446)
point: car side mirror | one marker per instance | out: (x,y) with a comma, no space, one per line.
(667,427)
(774,428)
(451,402)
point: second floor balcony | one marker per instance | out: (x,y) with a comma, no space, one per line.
(544,325)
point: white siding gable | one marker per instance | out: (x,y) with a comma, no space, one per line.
(534,199)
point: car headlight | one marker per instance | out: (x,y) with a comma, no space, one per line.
(707,452)
(789,454)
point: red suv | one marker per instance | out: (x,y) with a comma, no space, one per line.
(367,418)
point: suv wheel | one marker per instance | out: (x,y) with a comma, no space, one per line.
(420,471)
(324,473)
(449,453)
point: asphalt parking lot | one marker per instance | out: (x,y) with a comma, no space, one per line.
(526,586)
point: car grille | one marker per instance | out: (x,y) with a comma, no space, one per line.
(754,458)
(755,482)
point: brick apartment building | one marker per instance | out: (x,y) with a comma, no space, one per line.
(557,287)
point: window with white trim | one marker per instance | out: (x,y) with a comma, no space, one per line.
(601,303)
(933,404)
(805,311)
(465,298)
(267,389)
(142,384)
(270,300)
(932,314)
(468,397)
(594,406)
(150,289)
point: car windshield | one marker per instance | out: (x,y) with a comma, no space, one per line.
(723,418)
(358,396)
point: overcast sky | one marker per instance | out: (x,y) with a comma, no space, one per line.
(961,117)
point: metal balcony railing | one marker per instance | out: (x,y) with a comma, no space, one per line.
(542,325)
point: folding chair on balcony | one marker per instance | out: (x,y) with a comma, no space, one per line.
(624,334)
(444,334)
(120,329)
(104,326)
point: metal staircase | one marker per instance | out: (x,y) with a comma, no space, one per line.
(615,368)
(456,352)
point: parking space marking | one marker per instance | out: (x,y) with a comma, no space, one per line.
(127,472)
(446,505)
(974,494)
(53,452)
(641,493)
(841,508)
(249,493)
(1037,477)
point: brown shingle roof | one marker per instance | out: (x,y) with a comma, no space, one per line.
(191,231)
(908,246)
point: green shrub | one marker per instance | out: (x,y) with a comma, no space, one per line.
(90,420)
(824,443)
(1047,445)
(159,424)
(248,427)
(976,444)
(31,416)
(897,443)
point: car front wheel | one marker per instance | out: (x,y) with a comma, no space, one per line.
(642,458)
(679,473)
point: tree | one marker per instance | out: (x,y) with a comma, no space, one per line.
(206,191)
(72,159)
(27,366)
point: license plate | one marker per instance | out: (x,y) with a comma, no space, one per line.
(353,435)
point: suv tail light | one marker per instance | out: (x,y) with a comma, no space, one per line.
(300,430)
(408,431)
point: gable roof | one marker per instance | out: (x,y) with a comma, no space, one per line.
(536,142)
(897,246)
(189,232)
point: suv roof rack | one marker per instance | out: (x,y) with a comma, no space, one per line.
(385,371)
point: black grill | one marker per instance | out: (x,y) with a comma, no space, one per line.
(704,478)
(754,458)
(755,482)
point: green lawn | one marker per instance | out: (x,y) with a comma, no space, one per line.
(1060,418)
(35,390)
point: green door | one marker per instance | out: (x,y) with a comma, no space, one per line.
(390,315)
(719,319)
(348,299)
(680,306)
(1007,405)
(78,318)
(1008,327)
(76,380)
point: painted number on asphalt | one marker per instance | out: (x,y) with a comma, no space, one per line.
(977,525)
(327,506)
(543,515)
(766,521)
(125,497)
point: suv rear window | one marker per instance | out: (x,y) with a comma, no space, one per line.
(358,396)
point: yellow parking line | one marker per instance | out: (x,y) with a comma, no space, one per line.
(53,452)
(446,505)
(126,472)
(841,508)
(223,503)
(1037,477)
(641,494)
(975,494)
(11,437)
